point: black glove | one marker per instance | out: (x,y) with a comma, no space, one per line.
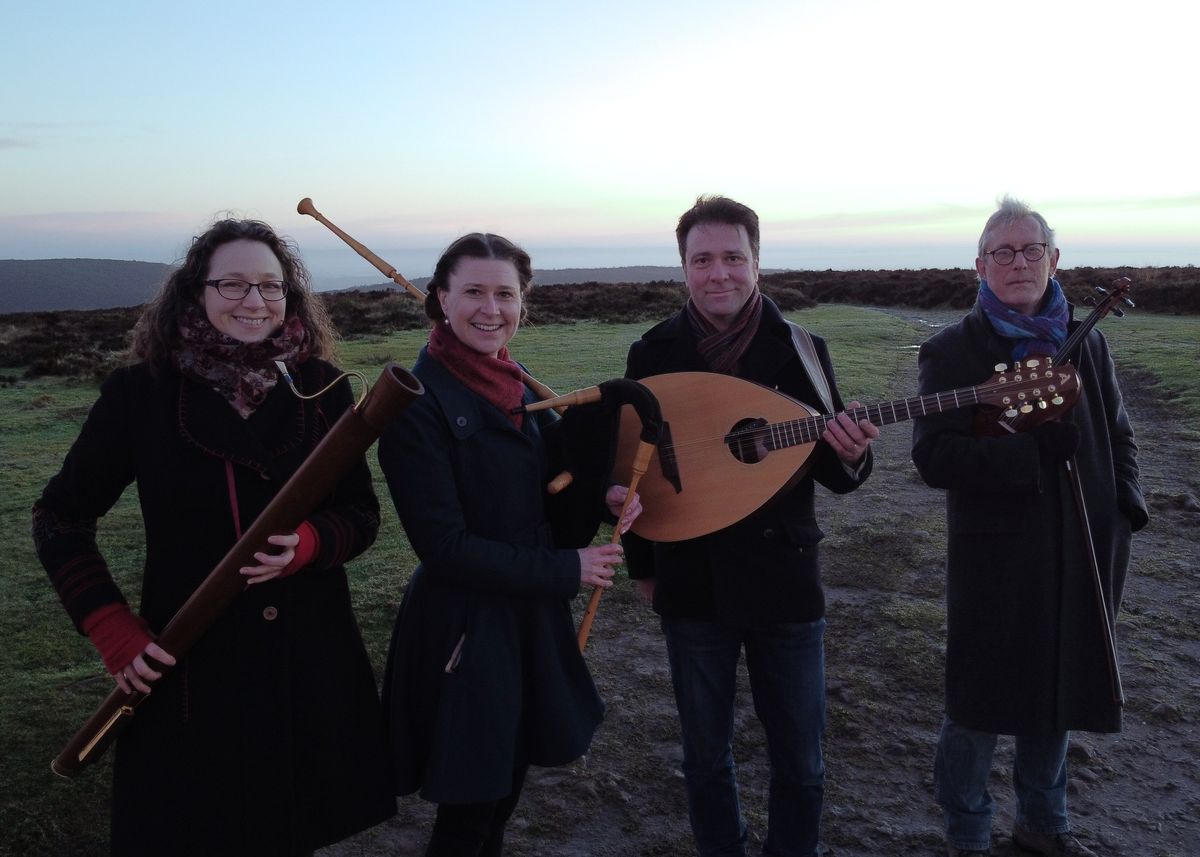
(1056,441)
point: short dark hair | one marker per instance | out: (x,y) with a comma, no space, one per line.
(717,209)
(156,335)
(477,245)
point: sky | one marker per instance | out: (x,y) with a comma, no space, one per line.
(865,134)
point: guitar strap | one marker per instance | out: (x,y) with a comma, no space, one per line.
(807,352)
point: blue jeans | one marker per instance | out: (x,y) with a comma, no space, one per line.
(786,663)
(960,775)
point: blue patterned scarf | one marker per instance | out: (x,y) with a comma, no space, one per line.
(1043,333)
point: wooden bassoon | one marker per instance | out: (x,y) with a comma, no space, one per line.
(315,480)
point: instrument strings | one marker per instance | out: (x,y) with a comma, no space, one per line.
(809,429)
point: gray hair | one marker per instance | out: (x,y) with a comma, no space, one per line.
(1010,211)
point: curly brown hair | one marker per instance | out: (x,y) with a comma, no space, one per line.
(156,334)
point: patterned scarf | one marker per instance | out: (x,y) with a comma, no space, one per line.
(243,373)
(1033,334)
(722,350)
(496,379)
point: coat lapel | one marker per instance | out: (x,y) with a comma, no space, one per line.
(209,423)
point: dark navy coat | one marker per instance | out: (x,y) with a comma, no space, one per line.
(484,673)
(1025,650)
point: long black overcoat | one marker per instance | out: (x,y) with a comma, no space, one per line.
(763,569)
(1025,651)
(484,673)
(268,738)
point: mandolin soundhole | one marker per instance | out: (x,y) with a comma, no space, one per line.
(747,445)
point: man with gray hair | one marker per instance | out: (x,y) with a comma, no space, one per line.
(1030,615)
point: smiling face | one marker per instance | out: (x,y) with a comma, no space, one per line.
(720,270)
(250,319)
(483,303)
(1020,284)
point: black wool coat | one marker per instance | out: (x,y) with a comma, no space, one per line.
(484,673)
(1025,651)
(763,569)
(268,737)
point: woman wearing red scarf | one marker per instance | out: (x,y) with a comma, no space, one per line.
(484,675)
(268,738)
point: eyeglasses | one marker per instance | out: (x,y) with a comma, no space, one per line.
(235,290)
(1005,255)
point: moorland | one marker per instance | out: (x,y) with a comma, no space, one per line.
(1137,792)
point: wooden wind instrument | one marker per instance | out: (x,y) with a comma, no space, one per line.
(640,463)
(316,478)
(305,206)
(645,406)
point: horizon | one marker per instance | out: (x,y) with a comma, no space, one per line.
(858,148)
(340,262)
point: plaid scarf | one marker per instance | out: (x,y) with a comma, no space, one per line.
(243,373)
(1033,334)
(722,350)
(496,379)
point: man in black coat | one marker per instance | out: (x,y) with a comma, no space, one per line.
(754,584)
(1029,648)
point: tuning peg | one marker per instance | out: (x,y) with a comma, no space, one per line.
(1011,413)
(1089,301)
(1001,367)
(1042,404)
(1100,290)
(1128,303)
(1032,363)
(1057,400)
(1026,408)
(1118,312)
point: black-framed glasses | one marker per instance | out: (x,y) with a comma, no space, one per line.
(235,290)
(1005,255)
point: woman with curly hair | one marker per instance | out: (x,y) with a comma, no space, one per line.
(267,738)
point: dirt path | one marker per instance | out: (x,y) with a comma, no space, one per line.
(1137,793)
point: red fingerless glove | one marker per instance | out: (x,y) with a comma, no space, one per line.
(304,552)
(118,635)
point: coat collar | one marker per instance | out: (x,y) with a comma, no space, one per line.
(465,412)
(209,423)
(766,357)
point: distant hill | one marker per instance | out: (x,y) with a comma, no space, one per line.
(565,277)
(37,285)
(30,285)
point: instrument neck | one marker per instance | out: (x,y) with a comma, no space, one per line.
(809,429)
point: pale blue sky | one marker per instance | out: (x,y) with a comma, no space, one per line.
(866,134)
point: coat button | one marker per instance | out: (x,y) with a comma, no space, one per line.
(269,613)
(461,421)
(768,533)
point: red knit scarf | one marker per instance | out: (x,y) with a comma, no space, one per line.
(242,372)
(722,350)
(496,379)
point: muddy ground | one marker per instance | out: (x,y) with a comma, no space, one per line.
(1136,793)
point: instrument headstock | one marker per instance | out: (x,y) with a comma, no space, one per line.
(1109,300)
(1031,385)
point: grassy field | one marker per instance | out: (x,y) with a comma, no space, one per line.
(51,679)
